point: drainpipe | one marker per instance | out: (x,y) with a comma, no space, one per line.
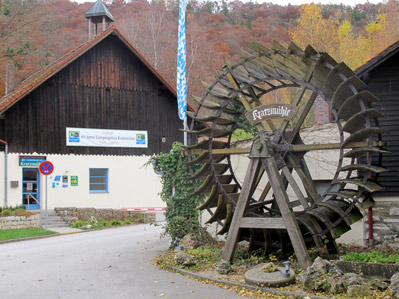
(370,213)
(5,172)
(370,218)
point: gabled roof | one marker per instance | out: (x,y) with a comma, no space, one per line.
(378,59)
(99,9)
(34,81)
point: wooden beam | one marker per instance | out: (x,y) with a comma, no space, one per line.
(295,187)
(295,148)
(242,203)
(260,222)
(282,200)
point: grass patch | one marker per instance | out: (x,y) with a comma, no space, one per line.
(9,234)
(372,257)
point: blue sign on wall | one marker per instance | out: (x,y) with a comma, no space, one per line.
(31,161)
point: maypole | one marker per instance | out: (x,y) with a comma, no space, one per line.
(181,68)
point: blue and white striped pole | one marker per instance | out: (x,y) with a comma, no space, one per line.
(181,67)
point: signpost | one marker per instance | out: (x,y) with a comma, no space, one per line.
(46,168)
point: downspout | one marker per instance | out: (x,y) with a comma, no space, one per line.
(5,172)
(370,214)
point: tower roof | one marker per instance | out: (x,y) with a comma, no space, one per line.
(99,9)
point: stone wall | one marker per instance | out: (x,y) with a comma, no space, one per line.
(70,215)
(386,223)
(14,222)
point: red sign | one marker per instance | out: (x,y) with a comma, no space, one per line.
(143,209)
(46,167)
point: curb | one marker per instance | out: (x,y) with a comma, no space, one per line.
(246,286)
(39,237)
(61,234)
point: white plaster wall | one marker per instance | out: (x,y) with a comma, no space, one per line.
(355,236)
(2,182)
(130,183)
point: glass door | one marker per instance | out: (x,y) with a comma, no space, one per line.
(31,188)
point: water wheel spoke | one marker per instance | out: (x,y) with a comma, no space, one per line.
(301,118)
(304,177)
(294,185)
(297,101)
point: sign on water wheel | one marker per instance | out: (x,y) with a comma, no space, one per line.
(46,168)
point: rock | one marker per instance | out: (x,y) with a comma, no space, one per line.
(358,290)
(353,278)
(87,226)
(378,284)
(336,284)
(317,277)
(190,241)
(93,220)
(395,285)
(223,267)
(323,266)
(269,267)
(183,258)
(242,248)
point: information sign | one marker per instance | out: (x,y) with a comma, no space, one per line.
(30,161)
(74,180)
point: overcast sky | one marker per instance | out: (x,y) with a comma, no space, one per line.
(293,2)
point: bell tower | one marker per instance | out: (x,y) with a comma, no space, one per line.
(98,13)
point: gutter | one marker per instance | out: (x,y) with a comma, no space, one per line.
(5,172)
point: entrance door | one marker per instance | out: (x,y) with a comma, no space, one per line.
(31,188)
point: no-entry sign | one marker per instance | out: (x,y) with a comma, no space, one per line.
(46,168)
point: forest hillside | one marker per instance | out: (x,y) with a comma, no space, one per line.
(33,33)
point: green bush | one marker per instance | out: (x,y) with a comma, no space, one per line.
(104,223)
(6,212)
(79,223)
(116,222)
(240,134)
(128,221)
(181,216)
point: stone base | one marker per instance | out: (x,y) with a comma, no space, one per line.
(273,279)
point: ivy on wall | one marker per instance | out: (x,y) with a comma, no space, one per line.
(181,216)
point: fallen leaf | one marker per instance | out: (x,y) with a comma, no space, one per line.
(161,295)
(109,266)
(156,281)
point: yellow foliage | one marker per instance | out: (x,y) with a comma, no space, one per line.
(315,30)
(377,26)
(338,39)
(345,29)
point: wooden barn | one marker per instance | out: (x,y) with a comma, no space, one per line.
(382,76)
(98,114)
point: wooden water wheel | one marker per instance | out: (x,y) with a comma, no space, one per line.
(277,205)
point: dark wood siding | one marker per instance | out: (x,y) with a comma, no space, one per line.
(106,88)
(384,83)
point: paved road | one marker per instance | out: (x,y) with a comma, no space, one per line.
(114,263)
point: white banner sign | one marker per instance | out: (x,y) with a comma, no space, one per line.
(106,138)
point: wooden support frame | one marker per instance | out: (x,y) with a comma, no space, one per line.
(287,221)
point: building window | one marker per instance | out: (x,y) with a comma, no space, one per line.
(98,180)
